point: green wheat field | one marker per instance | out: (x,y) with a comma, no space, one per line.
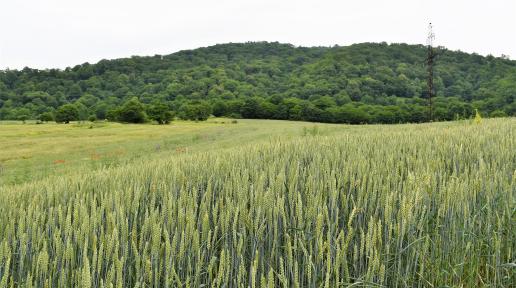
(258,203)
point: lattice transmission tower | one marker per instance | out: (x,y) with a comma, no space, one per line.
(430,62)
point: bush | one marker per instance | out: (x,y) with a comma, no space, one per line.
(160,113)
(112,115)
(132,112)
(313,131)
(478,118)
(46,117)
(92,118)
(197,111)
(23,118)
(497,113)
(67,113)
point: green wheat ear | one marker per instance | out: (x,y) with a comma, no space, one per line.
(378,206)
(478,118)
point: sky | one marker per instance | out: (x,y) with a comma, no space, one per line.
(60,33)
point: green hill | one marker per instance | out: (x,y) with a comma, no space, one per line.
(362,83)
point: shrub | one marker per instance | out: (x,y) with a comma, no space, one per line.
(67,113)
(160,113)
(132,112)
(46,117)
(195,111)
(92,118)
(478,118)
(497,113)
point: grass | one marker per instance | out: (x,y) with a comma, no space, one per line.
(274,204)
(34,151)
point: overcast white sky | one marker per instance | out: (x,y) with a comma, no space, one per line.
(59,33)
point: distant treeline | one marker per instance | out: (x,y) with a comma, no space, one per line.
(362,83)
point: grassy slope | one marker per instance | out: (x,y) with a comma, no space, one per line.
(30,152)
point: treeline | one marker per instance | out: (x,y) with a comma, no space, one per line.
(363,83)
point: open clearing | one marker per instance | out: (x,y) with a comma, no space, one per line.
(30,152)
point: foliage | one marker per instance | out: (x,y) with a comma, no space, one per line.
(46,117)
(67,113)
(362,83)
(313,131)
(478,118)
(195,111)
(390,206)
(132,111)
(160,113)
(497,113)
(92,118)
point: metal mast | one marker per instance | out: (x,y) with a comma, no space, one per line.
(430,59)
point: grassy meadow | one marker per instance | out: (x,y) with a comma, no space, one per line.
(34,151)
(258,204)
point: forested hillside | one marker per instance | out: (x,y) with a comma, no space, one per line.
(362,83)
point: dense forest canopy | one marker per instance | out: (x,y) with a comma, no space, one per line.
(361,83)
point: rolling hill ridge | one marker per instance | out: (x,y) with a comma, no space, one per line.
(361,83)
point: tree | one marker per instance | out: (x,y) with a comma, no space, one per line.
(160,113)
(324,102)
(92,118)
(497,113)
(67,113)
(220,108)
(88,100)
(101,110)
(74,92)
(250,108)
(23,114)
(350,114)
(272,81)
(23,118)
(195,111)
(46,117)
(113,114)
(83,111)
(132,112)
